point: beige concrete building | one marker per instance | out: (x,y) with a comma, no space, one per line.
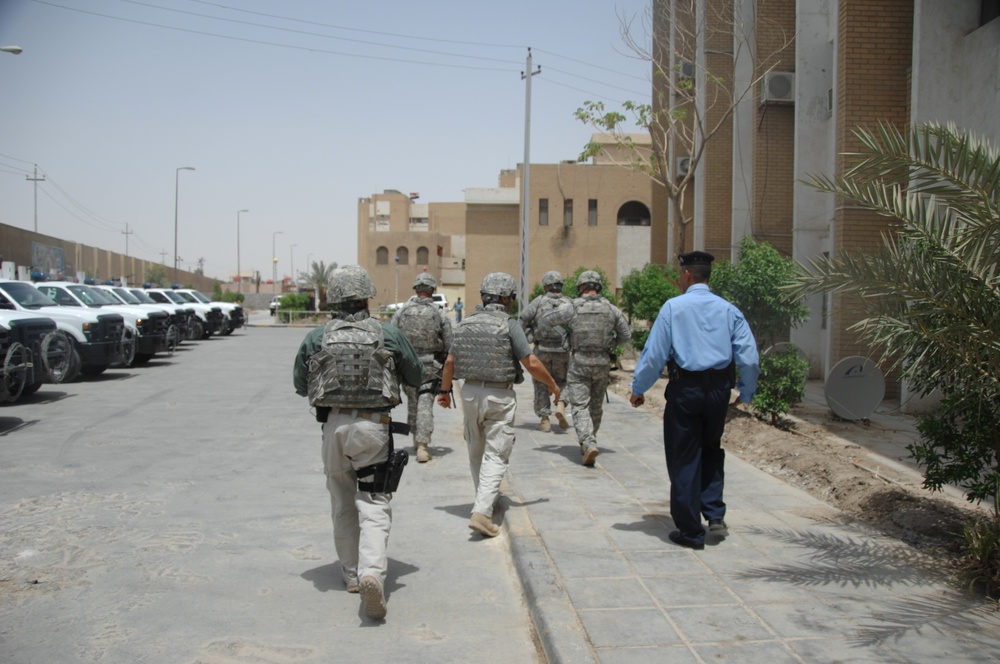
(815,70)
(581,215)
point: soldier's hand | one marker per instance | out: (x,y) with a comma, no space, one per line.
(555,392)
(637,400)
(444,400)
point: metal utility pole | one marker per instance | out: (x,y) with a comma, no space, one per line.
(126,233)
(36,180)
(525,179)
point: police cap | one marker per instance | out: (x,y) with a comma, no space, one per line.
(696,258)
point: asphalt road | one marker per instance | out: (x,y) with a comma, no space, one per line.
(177,512)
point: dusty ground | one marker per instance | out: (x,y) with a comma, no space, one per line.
(829,459)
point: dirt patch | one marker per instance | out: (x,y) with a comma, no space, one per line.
(817,453)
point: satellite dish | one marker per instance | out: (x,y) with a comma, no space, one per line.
(854,388)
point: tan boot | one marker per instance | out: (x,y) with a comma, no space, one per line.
(590,455)
(372,597)
(483,525)
(561,415)
(544,424)
(423,454)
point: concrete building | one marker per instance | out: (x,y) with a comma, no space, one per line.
(814,71)
(593,214)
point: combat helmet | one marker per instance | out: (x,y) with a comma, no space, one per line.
(350,282)
(498,284)
(552,278)
(425,283)
(590,278)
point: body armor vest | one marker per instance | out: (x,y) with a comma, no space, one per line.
(547,336)
(593,326)
(482,347)
(421,324)
(353,369)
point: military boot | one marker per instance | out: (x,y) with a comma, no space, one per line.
(561,414)
(423,454)
(589,454)
(544,424)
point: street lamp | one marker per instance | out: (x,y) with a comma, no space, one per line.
(274,262)
(239,275)
(15,50)
(291,262)
(177,179)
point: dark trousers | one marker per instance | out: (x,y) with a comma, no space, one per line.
(693,422)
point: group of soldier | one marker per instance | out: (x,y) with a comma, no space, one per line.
(354,368)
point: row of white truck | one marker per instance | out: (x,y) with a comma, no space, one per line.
(55,331)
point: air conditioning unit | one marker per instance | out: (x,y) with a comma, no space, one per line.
(778,87)
(683,167)
(687,69)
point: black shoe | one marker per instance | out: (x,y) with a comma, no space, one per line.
(715,525)
(676,537)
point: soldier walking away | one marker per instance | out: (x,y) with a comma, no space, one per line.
(351,370)
(459,307)
(429,332)
(595,327)
(551,347)
(701,339)
(488,354)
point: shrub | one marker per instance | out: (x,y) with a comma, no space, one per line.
(781,383)
(639,338)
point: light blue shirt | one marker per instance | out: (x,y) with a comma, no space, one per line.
(699,330)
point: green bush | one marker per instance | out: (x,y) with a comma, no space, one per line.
(295,304)
(644,291)
(639,338)
(781,383)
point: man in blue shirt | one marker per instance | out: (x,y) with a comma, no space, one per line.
(700,338)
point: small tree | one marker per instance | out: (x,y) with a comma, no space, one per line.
(156,275)
(758,286)
(317,278)
(643,294)
(781,383)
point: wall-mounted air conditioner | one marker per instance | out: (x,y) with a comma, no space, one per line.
(683,167)
(778,87)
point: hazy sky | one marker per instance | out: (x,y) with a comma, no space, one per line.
(292,110)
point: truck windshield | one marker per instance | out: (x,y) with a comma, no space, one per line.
(126,297)
(199,296)
(27,295)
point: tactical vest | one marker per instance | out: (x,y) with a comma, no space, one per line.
(547,336)
(353,368)
(482,347)
(593,326)
(421,324)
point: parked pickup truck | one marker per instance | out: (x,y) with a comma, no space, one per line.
(96,338)
(25,364)
(233,311)
(208,320)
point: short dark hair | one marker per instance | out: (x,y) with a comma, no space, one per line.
(699,272)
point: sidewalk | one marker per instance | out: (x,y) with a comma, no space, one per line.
(792,582)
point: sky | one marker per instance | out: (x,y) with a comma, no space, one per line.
(291,110)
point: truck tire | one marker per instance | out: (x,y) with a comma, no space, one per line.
(60,358)
(15,372)
(196,330)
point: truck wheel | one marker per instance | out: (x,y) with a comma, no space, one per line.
(196,330)
(15,372)
(60,357)
(173,338)
(126,347)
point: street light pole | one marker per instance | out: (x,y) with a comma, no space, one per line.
(239,275)
(177,180)
(291,261)
(274,262)
(14,50)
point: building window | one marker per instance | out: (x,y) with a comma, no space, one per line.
(382,256)
(633,213)
(592,212)
(543,212)
(403,256)
(568,212)
(422,255)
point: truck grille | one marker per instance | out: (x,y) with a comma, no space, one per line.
(154,323)
(110,327)
(30,332)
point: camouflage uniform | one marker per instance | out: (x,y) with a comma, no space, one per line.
(352,399)
(430,334)
(551,346)
(595,327)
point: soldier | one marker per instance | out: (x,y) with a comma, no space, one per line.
(488,354)
(351,370)
(551,347)
(429,332)
(595,327)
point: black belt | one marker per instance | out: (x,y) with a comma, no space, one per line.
(675,372)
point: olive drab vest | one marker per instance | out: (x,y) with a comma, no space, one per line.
(420,322)
(353,368)
(482,347)
(593,326)
(548,337)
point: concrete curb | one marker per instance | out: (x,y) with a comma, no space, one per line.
(559,630)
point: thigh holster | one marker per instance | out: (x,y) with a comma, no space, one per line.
(384,477)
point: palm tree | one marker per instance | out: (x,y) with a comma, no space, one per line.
(318,277)
(930,293)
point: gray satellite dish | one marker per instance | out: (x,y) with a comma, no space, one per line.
(854,388)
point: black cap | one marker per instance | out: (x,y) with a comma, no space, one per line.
(696,258)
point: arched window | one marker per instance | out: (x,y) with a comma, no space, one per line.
(382,256)
(422,255)
(633,213)
(403,256)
